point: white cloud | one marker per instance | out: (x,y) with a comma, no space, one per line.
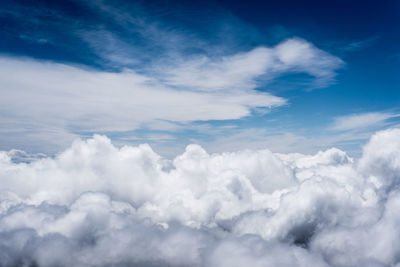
(42,95)
(43,100)
(361,121)
(241,71)
(301,56)
(95,205)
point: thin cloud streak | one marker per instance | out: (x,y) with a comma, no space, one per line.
(361,121)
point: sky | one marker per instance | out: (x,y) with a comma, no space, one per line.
(285,75)
(199,133)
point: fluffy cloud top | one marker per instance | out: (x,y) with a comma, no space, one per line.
(99,205)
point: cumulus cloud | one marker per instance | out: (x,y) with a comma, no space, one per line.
(98,205)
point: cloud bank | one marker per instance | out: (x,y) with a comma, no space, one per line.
(99,205)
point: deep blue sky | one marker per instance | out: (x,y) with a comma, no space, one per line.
(346,89)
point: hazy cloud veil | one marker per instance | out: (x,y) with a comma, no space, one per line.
(99,205)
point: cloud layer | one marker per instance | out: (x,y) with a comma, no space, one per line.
(99,205)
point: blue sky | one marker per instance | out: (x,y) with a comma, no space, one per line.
(290,76)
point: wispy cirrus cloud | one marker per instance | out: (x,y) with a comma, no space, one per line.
(361,44)
(241,71)
(73,99)
(144,73)
(360,121)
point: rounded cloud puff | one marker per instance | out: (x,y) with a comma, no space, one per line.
(99,205)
